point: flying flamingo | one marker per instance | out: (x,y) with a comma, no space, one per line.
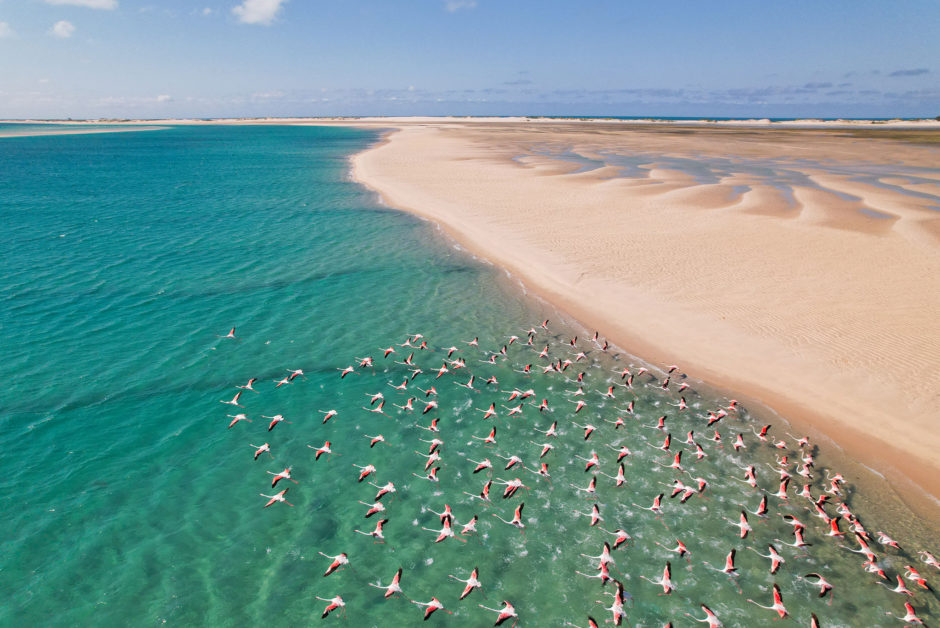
(234,401)
(392,589)
(506,612)
(376,534)
(277,418)
(384,490)
(471,583)
(283,475)
(373,508)
(277,498)
(338,561)
(431,606)
(729,569)
(446,532)
(325,449)
(334,603)
(665,581)
(365,471)
(710,618)
(236,418)
(910,617)
(516,518)
(777,605)
(617,606)
(775,559)
(824,586)
(622,536)
(266,448)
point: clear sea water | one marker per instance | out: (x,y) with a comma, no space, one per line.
(127,500)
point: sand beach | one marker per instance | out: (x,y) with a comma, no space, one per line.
(795,266)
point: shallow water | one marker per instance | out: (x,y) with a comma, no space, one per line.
(128,500)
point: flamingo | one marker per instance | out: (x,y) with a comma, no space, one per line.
(622,536)
(616,608)
(338,561)
(334,603)
(277,498)
(775,559)
(393,588)
(778,601)
(484,494)
(910,617)
(506,612)
(430,607)
(824,585)
(604,556)
(373,508)
(471,583)
(283,475)
(666,581)
(236,418)
(384,490)
(376,534)
(710,618)
(470,526)
(234,401)
(325,449)
(729,569)
(516,518)
(679,549)
(365,471)
(743,526)
(373,440)
(656,507)
(277,418)
(266,448)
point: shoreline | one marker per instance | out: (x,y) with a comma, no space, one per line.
(573,289)
(913,477)
(76,131)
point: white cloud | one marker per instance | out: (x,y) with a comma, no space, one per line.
(62,29)
(89,4)
(164,98)
(456,5)
(257,11)
(207,11)
(5,30)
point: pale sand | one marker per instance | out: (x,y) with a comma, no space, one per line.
(32,131)
(828,316)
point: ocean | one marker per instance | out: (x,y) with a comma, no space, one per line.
(128,499)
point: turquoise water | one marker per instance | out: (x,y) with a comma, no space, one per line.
(128,501)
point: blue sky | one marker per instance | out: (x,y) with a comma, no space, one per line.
(213,58)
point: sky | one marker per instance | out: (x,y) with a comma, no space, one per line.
(248,58)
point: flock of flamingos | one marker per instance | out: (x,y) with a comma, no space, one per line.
(516,443)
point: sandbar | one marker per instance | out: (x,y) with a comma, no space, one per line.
(798,267)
